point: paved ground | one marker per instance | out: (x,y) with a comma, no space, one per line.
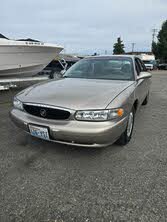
(42,181)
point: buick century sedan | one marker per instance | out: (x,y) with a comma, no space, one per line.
(93,104)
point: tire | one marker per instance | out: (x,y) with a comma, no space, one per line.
(145,102)
(127,134)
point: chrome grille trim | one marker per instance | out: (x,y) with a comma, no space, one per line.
(49,106)
(58,109)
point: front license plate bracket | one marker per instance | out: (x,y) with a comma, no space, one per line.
(39,131)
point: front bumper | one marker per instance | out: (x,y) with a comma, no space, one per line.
(72,132)
(149,67)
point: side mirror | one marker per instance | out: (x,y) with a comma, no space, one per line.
(144,75)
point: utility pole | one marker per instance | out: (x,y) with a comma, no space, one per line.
(154,33)
(133,46)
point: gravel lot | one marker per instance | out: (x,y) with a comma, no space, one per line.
(42,181)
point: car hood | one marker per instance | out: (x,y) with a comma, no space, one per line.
(76,94)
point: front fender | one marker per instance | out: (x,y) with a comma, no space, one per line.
(124,100)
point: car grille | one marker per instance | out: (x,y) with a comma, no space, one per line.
(46,112)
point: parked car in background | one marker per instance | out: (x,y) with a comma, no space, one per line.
(162,66)
(149,61)
(93,105)
(148,64)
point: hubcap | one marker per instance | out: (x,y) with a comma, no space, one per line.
(130,124)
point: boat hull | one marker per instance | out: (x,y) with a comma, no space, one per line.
(25,59)
(27,71)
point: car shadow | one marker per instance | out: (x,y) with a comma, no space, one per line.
(57,148)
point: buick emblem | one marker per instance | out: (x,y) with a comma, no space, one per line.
(43,112)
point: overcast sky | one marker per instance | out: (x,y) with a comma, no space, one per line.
(84,25)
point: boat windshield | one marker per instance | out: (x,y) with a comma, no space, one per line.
(29,40)
(112,68)
(2,36)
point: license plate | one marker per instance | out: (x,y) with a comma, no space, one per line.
(40,132)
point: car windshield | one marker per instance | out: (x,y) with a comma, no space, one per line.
(102,68)
(147,62)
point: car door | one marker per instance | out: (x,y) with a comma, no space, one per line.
(142,84)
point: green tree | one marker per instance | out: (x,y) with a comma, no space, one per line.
(160,48)
(155,50)
(119,47)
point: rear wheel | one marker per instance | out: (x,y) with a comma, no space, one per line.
(126,136)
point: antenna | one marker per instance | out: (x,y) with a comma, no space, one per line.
(154,34)
(133,46)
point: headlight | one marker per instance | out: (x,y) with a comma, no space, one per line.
(99,115)
(17,104)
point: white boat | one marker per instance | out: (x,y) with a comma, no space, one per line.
(25,57)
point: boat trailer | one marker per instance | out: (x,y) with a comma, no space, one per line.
(8,83)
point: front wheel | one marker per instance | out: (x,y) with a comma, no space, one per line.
(126,136)
(145,102)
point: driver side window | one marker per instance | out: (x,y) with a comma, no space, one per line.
(138,67)
(142,65)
